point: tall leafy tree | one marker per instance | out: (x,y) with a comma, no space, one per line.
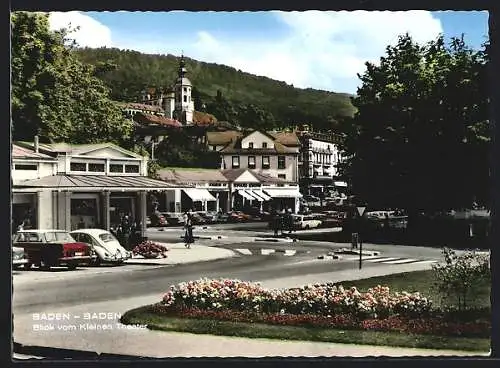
(54,94)
(420,137)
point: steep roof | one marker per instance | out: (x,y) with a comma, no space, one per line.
(148,119)
(141,106)
(286,138)
(76,149)
(25,152)
(282,140)
(222,138)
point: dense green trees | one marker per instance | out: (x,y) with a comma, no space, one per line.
(420,138)
(246,97)
(54,94)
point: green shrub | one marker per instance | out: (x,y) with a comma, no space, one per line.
(458,278)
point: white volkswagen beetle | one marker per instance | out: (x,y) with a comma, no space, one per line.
(106,247)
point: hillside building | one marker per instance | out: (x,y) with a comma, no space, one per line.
(174,102)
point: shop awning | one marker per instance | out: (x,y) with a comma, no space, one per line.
(340,184)
(257,197)
(261,194)
(283,193)
(246,195)
(98,183)
(199,195)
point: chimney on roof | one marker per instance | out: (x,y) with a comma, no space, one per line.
(36,144)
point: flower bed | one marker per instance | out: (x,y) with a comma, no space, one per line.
(149,249)
(320,305)
(322,299)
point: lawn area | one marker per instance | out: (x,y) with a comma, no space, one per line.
(413,281)
(421,281)
(154,321)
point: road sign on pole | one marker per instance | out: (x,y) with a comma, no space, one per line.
(361,211)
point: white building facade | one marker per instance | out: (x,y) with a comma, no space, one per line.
(262,152)
(94,185)
(319,159)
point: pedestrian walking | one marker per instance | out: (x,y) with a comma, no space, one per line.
(276,223)
(289,220)
(188,236)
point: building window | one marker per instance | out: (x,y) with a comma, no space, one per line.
(282,176)
(236,162)
(78,166)
(132,169)
(250,145)
(185,90)
(214,148)
(281,162)
(265,162)
(185,98)
(251,162)
(25,167)
(96,167)
(114,168)
(264,144)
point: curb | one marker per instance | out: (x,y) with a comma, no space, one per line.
(206,237)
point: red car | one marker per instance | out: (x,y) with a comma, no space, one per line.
(52,248)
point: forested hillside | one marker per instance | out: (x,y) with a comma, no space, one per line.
(244,98)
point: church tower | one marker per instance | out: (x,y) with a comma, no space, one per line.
(184,105)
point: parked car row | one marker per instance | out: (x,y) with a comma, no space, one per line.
(161,219)
(326,219)
(56,248)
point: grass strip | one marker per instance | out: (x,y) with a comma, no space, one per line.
(144,315)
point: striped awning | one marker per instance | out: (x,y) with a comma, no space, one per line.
(246,195)
(261,194)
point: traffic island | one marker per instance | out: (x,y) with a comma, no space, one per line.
(368,253)
(398,318)
(330,255)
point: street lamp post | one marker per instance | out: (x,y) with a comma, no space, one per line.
(361,211)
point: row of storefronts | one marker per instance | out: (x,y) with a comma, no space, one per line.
(72,186)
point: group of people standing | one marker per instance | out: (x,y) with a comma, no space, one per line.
(128,232)
(282,221)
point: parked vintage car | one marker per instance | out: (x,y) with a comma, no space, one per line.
(210,217)
(107,248)
(174,218)
(198,219)
(19,258)
(305,222)
(52,248)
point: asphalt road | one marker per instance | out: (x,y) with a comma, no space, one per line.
(116,289)
(66,288)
